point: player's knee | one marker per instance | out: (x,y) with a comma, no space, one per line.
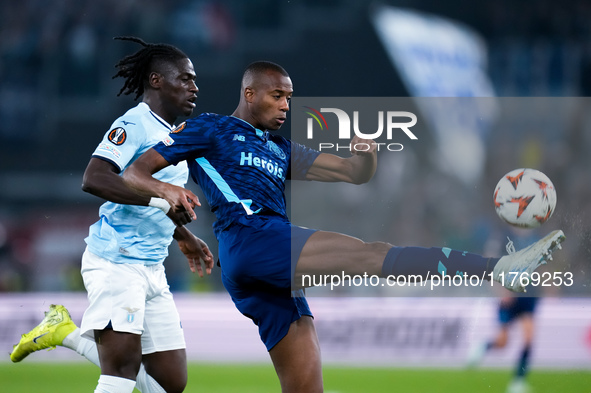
(176,385)
(172,381)
(308,385)
(380,249)
(127,370)
(306,389)
(121,366)
(314,386)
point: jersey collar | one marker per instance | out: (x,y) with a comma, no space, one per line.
(156,117)
(261,134)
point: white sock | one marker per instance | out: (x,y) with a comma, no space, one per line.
(82,346)
(87,348)
(146,384)
(111,384)
(71,340)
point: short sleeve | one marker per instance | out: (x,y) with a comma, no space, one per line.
(302,158)
(120,144)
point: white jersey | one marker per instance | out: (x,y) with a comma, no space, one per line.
(129,233)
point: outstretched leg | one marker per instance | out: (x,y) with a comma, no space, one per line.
(330,253)
(58,329)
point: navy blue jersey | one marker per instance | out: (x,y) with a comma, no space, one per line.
(241,170)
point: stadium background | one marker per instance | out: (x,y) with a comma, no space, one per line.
(57,99)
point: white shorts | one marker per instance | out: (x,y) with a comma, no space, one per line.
(133,298)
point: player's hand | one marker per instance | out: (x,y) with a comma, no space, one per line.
(197,253)
(360,146)
(181,200)
(179,218)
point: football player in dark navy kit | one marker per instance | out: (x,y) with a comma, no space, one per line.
(512,309)
(242,169)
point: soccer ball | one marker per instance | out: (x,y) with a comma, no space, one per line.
(525,198)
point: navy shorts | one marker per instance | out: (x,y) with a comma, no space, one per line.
(517,308)
(257,271)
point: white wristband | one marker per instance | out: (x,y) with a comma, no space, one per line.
(160,203)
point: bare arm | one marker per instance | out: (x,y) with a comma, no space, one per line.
(101,178)
(357,169)
(138,176)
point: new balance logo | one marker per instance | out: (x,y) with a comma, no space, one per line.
(239,138)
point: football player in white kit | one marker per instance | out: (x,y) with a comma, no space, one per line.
(132,328)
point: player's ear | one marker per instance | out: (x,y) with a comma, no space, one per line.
(155,80)
(248,94)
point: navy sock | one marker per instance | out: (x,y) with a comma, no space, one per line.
(426,262)
(523,362)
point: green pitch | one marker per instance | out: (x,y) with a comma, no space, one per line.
(78,377)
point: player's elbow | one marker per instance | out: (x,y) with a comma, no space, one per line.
(86,188)
(361,179)
(89,186)
(361,175)
(359,172)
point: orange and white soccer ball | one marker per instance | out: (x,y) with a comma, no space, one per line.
(525,198)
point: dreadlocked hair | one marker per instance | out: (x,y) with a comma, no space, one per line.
(136,68)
